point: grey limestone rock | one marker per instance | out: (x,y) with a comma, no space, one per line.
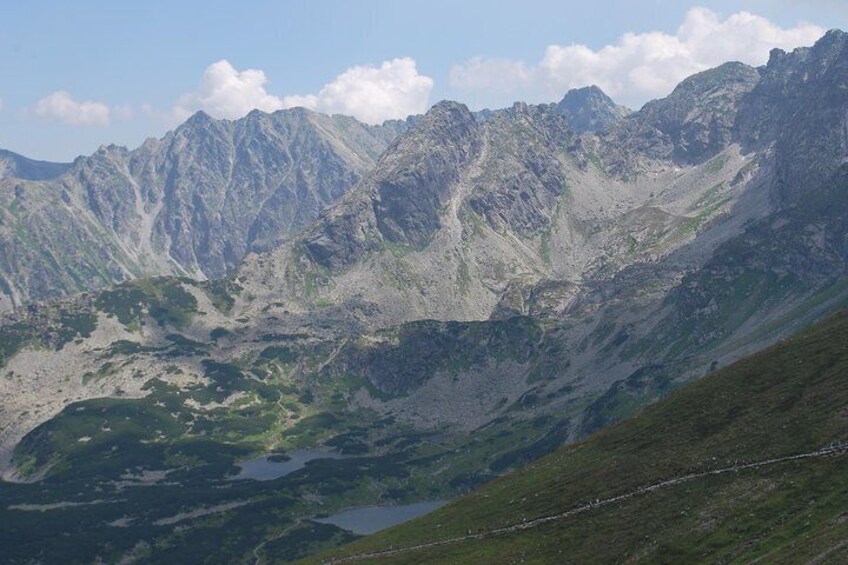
(192,203)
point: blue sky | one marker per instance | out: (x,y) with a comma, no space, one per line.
(79,74)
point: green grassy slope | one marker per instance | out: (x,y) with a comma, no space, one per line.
(789,399)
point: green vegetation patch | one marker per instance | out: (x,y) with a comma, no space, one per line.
(13,338)
(225,376)
(221,293)
(48,327)
(75,324)
(163,298)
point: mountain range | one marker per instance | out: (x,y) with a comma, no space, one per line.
(192,203)
(437,301)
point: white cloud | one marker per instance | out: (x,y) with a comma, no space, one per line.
(483,74)
(640,66)
(61,107)
(1,104)
(226,92)
(123,112)
(395,89)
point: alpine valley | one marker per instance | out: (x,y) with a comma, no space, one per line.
(217,343)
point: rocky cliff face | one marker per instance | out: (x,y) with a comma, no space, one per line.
(401,200)
(798,111)
(191,203)
(692,124)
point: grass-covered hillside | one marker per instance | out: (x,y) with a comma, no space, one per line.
(788,400)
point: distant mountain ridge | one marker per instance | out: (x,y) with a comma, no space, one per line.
(621,243)
(17,166)
(196,201)
(192,203)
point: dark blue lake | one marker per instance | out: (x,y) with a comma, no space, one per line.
(369,519)
(266,468)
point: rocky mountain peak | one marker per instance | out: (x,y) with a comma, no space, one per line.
(445,121)
(414,179)
(811,61)
(198,118)
(693,123)
(699,112)
(201,124)
(401,199)
(833,42)
(448,111)
(728,76)
(589,109)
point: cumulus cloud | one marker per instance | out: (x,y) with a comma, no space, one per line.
(483,74)
(123,112)
(395,89)
(61,107)
(226,92)
(640,66)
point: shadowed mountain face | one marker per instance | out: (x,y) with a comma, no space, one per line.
(193,202)
(490,287)
(17,166)
(797,109)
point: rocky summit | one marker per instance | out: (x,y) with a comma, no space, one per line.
(416,308)
(589,109)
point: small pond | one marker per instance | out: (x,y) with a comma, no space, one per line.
(276,465)
(369,519)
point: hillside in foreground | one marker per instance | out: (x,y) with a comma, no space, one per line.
(746,465)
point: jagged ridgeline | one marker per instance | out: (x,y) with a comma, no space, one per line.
(490,287)
(192,203)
